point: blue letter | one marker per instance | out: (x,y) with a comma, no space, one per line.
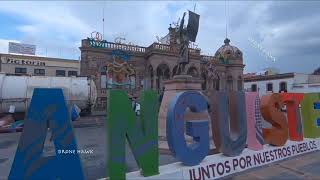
(199,129)
(229,125)
(47,108)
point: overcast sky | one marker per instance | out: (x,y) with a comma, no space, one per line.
(287,31)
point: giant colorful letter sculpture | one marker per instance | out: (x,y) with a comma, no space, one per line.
(47,107)
(311,115)
(199,129)
(255,139)
(292,101)
(229,114)
(142,134)
(271,111)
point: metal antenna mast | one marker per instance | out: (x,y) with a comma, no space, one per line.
(226,16)
(103,20)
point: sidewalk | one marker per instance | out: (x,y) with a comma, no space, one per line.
(89,121)
(306,166)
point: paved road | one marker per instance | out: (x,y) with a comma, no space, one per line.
(94,165)
(89,137)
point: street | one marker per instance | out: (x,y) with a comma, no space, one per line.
(91,136)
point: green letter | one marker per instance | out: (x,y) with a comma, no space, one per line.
(310,115)
(142,134)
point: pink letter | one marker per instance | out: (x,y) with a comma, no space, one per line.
(255,139)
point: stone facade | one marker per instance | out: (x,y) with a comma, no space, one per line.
(158,62)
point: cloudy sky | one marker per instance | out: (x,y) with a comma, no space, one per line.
(287,31)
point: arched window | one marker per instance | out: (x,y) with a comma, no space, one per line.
(204,83)
(163,73)
(103,77)
(166,74)
(240,84)
(215,81)
(132,81)
(230,83)
(216,84)
(174,71)
(193,72)
(151,76)
(283,87)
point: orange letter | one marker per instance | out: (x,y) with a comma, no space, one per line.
(292,101)
(270,109)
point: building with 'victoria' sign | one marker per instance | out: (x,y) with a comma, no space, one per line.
(36,65)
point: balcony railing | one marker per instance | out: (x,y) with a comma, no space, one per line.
(110,45)
(159,47)
(194,51)
(89,42)
(168,48)
(205,58)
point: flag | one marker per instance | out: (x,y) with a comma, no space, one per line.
(193,26)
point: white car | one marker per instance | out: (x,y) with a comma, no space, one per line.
(137,110)
(136,107)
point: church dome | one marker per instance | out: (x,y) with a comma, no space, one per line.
(227,52)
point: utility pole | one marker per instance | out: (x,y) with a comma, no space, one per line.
(226,16)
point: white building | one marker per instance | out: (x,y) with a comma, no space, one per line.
(288,82)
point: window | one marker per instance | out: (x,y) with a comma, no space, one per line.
(132,82)
(204,83)
(270,87)
(150,70)
(20,70)
(253,88)
(193,72)
(230,83)
(240,84)
(72,73)
(60,73)
(216,84)
(103,81)
(41,72)
(283,87)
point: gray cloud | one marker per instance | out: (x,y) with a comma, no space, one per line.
(282,12)
(289,31)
